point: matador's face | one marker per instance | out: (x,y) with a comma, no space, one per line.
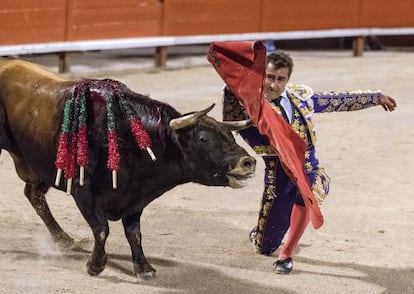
(276,81)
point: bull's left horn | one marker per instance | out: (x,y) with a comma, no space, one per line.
(189,119)
(237,125)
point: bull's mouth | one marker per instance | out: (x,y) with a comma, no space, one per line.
(243,170)
(238,180)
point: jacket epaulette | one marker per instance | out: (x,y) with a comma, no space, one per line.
(301,92)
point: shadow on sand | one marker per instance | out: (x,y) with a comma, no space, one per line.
(193,278)
(204,279)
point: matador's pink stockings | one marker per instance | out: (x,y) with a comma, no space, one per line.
(299,220)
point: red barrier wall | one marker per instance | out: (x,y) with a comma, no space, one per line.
(107,19)
(295,15)
(37,21)
(186,17)
(32,21)
(388,14)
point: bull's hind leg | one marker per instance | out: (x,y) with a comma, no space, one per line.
(35,191)
(97,261)
(100,229)
(133,233)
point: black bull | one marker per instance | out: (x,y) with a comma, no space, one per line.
(189,148)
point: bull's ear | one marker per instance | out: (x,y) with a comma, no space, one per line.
(188,120)
(237,125)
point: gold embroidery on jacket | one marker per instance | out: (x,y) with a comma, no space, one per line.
(264,150)
(300,115)
(320,187)
(268,197)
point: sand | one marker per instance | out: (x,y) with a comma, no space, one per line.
(197,237)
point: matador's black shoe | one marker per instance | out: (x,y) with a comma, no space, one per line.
(283,267)
(253,234)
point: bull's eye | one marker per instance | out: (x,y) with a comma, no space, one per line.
(203,139)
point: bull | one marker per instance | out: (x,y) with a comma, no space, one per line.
(189,148)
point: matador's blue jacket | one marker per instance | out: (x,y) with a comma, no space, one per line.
(304,102)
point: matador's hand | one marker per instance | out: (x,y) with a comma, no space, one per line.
(388,103)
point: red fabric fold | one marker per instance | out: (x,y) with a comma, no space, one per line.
(241,65)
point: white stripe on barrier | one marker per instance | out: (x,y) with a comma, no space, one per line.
(142,42)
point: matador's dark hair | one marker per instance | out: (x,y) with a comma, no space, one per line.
(281,59)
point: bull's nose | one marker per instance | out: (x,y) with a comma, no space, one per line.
(248,162)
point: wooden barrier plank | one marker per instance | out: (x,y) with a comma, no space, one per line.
(295,15)
(398,13)
(111,19)
(188,17)
(30,4)
(31,24)
(114,4)
(21,36)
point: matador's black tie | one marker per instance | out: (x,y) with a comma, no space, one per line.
(282,110)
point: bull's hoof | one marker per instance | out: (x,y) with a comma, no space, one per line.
(147,276)
(145,272)
(95,269)
(63,241)
(81,245)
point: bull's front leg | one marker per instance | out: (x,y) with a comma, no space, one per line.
(132,230)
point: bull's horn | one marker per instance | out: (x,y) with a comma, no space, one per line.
(189,119)
(237,125)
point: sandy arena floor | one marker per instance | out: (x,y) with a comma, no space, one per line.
(196,236)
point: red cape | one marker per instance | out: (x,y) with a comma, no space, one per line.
(241,65)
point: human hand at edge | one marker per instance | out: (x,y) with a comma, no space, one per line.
(388,103)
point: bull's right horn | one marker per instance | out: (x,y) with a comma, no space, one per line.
(188,119)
